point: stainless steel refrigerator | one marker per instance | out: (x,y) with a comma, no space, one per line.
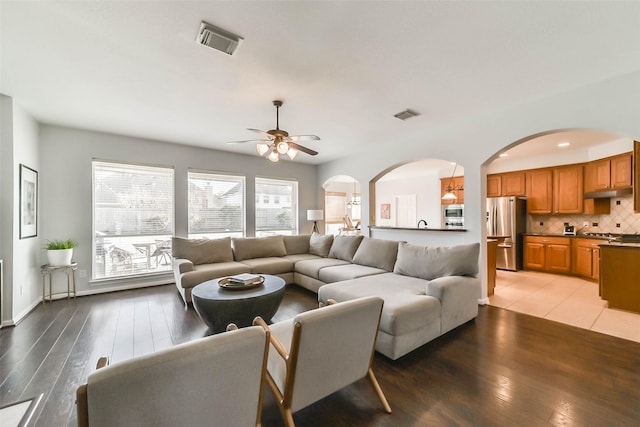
(507,223)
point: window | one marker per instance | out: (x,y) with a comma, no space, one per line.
(216,205)
(133,219)
(279,218)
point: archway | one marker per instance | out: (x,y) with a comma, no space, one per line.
(342,198)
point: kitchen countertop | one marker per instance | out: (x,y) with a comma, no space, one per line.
(373,227)
(605,240)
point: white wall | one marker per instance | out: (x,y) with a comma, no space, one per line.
(426,188)
(65,190)
(21,284)
(609,106)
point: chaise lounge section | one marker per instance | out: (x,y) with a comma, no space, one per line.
(427,291)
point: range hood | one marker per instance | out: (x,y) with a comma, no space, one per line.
(607,194)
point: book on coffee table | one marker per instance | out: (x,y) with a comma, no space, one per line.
(245,279)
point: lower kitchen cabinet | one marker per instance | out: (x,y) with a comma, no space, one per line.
(586,257)
(552,254)
(620,276)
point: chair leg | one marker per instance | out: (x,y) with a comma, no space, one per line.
(288,418)
(379,391)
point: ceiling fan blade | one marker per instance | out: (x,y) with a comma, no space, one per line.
(303,149)
(261,132)
(295,138)
(249,140)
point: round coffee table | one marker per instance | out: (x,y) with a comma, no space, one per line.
(218,306)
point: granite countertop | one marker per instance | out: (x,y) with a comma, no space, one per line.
(606,240)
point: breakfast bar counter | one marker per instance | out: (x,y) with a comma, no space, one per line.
(620,275)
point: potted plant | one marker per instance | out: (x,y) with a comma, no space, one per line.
(60,252)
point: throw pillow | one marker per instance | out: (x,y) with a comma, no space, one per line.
(320,244)
(344,247)
(257,247)
(431,262)
(297,244)
(378,253)
(202,251)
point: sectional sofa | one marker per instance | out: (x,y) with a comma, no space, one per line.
(427,291)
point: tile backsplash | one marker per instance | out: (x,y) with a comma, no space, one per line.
(621,214)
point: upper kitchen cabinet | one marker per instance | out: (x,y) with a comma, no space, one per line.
(556,190)
(608,174)
(506,184)
(568,195)
(539,184)
(454,185)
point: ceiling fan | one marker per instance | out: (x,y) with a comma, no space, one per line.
(278,142)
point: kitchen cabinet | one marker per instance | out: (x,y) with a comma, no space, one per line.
(506,184)
(539,184)
(636,176)
(608,174)
(457,184)
(552,254)
(586,257)
(492,246)
(620,276)
(568,189)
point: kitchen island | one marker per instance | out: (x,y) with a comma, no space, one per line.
(620,275)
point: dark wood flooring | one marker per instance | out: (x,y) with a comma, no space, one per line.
(503,369)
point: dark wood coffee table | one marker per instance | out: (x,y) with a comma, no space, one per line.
(218,306)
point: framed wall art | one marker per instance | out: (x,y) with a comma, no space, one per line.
(385,211)
(28,202)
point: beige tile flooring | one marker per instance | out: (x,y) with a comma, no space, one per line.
(564,299)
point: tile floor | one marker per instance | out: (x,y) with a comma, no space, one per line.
(564,299)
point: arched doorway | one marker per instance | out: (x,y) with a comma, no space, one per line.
(343,205)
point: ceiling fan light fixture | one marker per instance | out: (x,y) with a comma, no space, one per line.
(273,156)
(292,153)
(282,147)
(262,148)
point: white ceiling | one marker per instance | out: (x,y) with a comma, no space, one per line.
(343,69)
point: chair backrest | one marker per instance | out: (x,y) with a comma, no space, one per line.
(347,222)
(213,380)
(334,348)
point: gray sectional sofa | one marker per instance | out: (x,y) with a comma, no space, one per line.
(427,291)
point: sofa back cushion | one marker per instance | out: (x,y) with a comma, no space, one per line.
(344,247)
(320,244)
(377,253)
(257,247)
(431,262)
(297,244)
(202,251)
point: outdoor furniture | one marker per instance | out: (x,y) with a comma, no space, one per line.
(322,351)
(218,306)
(217,380)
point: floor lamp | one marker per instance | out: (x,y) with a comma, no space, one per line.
(315,215)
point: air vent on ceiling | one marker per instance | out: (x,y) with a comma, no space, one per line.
(218,39)
(406,114)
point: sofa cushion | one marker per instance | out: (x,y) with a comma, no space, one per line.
(270,265)
(312,267)
(344,247)
(204,272)
(320,244)
(257,247)
(431,262)
(346,272)
(202,251)
(297,244)
(378,253)
(406,307)
(300,257)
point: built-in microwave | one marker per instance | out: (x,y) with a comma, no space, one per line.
(453,216)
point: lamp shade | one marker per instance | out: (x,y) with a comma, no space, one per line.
(315,215)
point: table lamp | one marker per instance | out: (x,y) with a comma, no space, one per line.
(315,215)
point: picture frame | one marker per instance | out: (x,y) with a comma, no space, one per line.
(385,211)
(28,202)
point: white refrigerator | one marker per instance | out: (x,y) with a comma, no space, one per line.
(507,223)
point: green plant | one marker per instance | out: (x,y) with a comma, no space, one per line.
(53,245)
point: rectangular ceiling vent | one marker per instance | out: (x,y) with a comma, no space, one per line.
(406,114)
(218,39)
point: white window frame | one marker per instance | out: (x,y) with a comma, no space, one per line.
(293,208)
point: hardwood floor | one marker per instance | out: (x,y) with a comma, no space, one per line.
(503,369)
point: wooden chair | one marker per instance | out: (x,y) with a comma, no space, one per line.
(348,226)
(322,351)
(213,380)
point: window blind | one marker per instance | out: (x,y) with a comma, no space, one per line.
(216,205)
(276,207)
